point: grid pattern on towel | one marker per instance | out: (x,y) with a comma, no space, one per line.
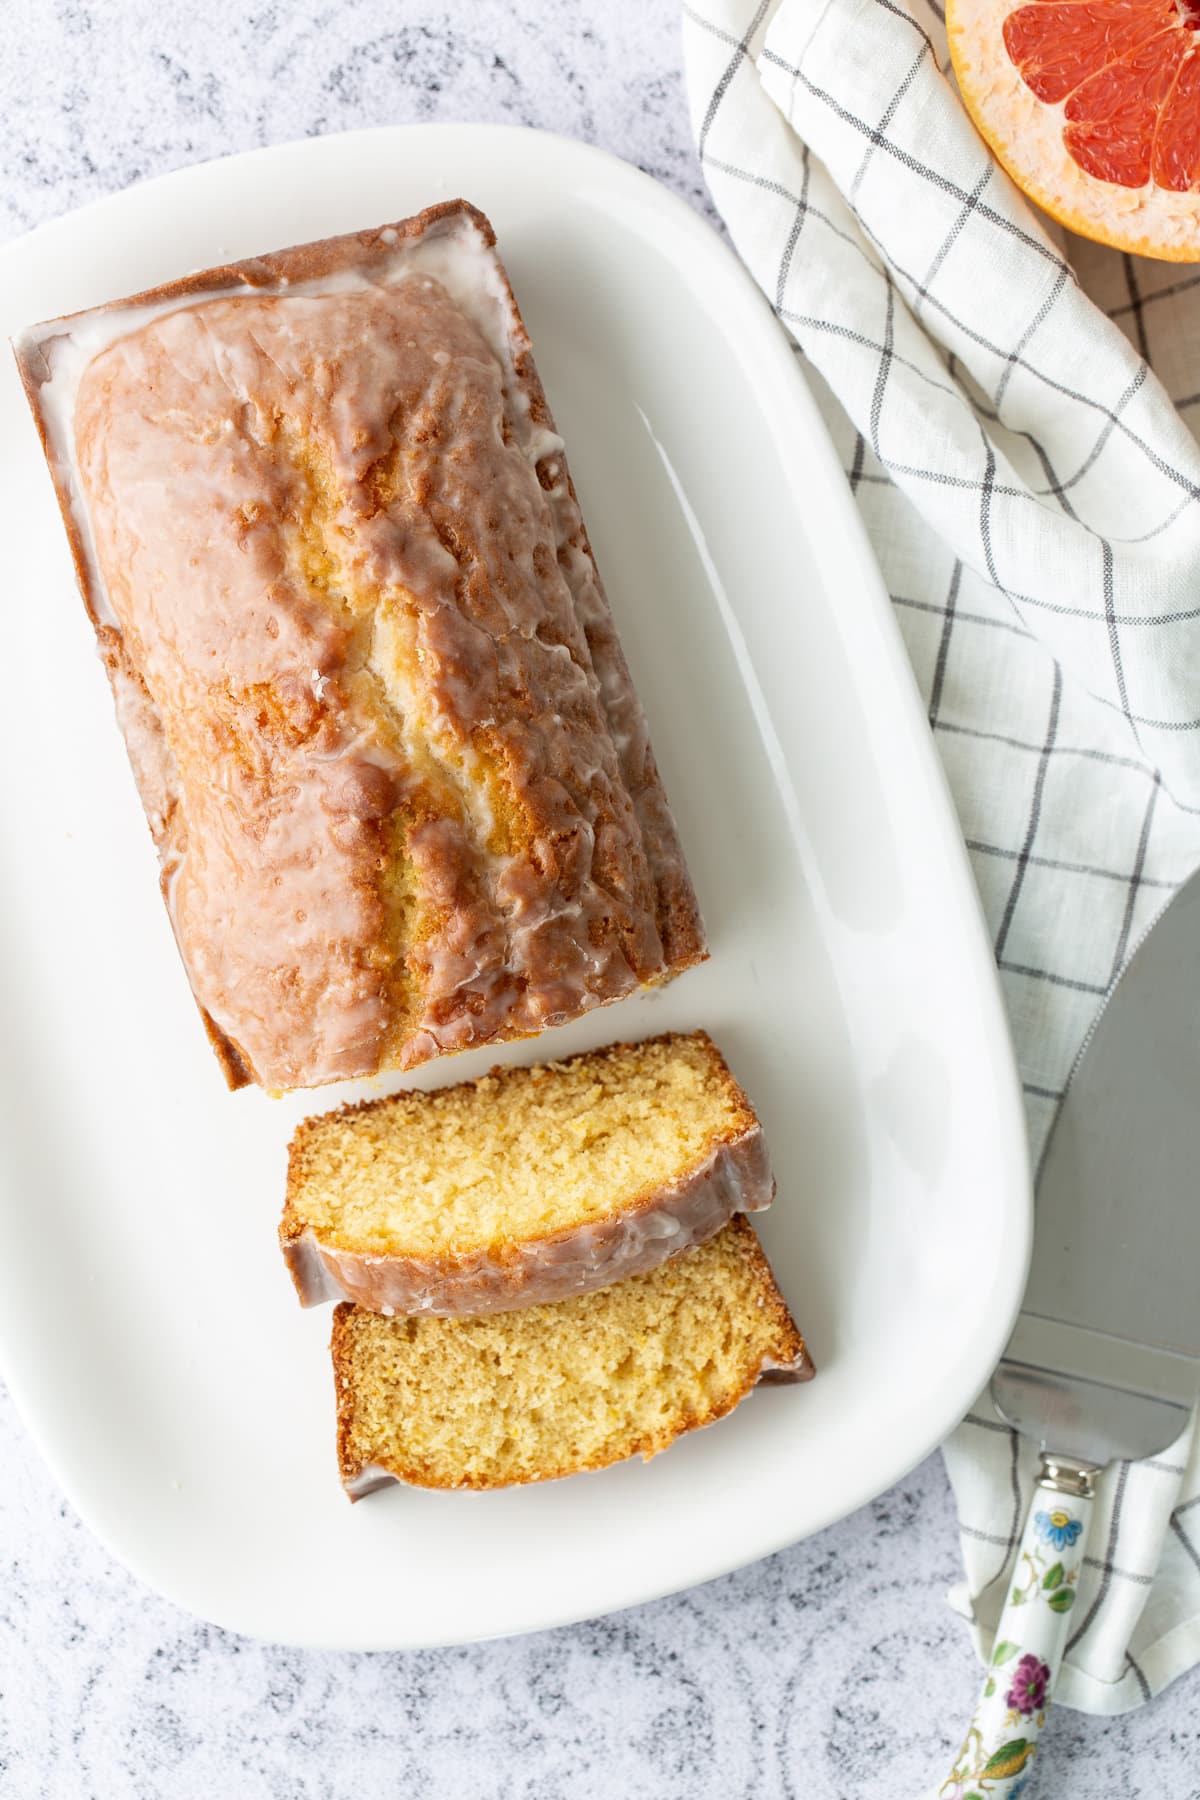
(1005,419)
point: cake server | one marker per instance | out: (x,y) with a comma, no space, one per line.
(1104,1363)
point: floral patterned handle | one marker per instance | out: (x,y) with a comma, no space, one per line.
(997,1755)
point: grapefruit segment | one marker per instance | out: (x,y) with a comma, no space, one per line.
(1057,44)
(1112,117)
(1093,107)
(1176,161)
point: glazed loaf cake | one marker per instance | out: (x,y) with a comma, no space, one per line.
(389,748)
(554,1390)
(526,1186)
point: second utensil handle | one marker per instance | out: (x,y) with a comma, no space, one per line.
(1002,1738)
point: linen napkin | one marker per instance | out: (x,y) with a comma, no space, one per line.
(1013,413)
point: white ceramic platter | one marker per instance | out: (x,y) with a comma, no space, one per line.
(147,1327)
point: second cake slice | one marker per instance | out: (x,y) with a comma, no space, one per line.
(525,1187)
(557,1390)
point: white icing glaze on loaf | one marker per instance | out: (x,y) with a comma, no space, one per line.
(390,751)
(735,1177)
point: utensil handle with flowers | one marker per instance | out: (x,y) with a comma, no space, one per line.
(997,1755)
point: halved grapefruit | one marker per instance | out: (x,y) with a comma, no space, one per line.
(1093,107)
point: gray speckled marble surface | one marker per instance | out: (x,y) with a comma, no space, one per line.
(832,1671)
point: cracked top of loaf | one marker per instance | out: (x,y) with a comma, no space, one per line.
(389,748)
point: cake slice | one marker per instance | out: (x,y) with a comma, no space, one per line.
(525,1187)
(553,1390)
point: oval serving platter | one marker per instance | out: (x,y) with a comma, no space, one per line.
(148,1329)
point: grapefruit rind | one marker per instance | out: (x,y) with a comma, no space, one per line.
(1026,137)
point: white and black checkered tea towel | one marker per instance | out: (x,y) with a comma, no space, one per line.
(1014,428)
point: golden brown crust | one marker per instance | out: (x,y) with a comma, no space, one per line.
(791,1351)
(350,1463)
(233,1065)
(389,992)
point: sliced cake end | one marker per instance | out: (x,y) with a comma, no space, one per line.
(549,1391)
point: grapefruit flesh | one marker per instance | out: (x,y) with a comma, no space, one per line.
(1093,106)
